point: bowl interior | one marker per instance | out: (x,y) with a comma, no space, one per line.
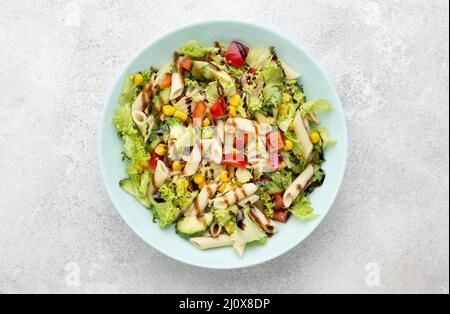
(316,85)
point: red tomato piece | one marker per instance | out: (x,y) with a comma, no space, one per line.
(279,201)
(219,109)
(154,158)
(252,71)
(236,54)
(281,215)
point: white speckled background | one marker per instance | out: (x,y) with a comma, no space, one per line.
(389,61)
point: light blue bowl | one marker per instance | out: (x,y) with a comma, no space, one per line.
(316,85)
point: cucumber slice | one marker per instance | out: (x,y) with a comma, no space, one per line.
(165,95)
(189,227)
(197,67)
(128,186)
(210,71)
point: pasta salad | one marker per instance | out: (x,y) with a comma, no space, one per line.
(222,142)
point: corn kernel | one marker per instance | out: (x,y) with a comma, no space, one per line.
(199,179)
(283,165)
(284,107)
(145,164)
(235,100)
(288,145)
(232,111)
(225,176)
(138,79)
(169,110)
(161,149)
(287,97)
(181,115)
(315,137)
(282,113)
(201,185)
(206,122)
(177,165)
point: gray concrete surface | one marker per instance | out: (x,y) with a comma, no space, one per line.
(389,229)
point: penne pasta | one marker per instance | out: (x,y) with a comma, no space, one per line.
(266,223)
(248,126)
(177,88)
(249,200)
(144,97)
(140,119)
(205,243)
(193,163)
(202,200)
(215,230)
(239,247)
(235,196)
(302,135)
(162,173)
(298,186)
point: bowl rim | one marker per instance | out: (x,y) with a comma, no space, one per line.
(110,97)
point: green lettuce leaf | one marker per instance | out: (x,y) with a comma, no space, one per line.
(222,216)
(243,175)
(129,91)
(281,180)
(303,209)
(124,121)
(272,74)
(268,203)
(193,50)
(177,199)
(251,233)
(315,105)
(166,213)
(258,58)
(272,94)
(325,136)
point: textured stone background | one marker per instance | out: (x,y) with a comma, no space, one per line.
(389,61)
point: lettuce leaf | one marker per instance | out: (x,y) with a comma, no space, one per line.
(243,175)
(315,105)
(272,74)
(325,136)
(258,58)
(222,216)
(129,91)
(177,198)
(134,143)
(166,213)
(272,94)
(124,121)
(176,192)
(297,150)
(280,180)
(302,209)
(251,232)
(268,203)
(193,50)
